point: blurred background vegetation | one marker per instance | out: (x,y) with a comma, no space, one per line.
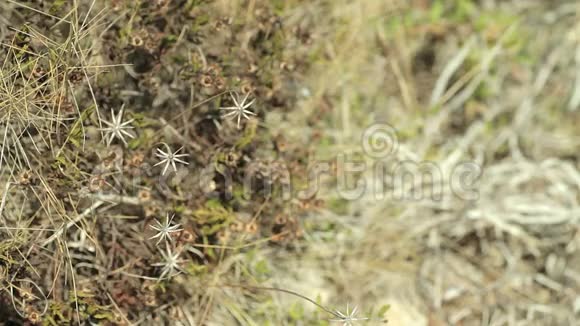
(491,82)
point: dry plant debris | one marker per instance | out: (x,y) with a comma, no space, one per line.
(151,153)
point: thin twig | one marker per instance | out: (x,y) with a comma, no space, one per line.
(65,227)
(251,287)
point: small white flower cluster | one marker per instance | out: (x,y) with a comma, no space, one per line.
(349,318)
(116,128)
(169,158)
(170,264)
(165,229)
(240,108)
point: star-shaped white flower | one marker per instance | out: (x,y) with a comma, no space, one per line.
(169,158)
(164,230)
(349,318)
(116,128)
(240,109)
(170,266)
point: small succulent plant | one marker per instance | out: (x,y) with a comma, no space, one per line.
(169,158)
(170,266)
(240,109)
(116,128)
(165,229)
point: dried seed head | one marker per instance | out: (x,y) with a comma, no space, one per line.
(148,286)
(187,236)
(154,83)
(149,300)
(252,228)
(304,204)
(186,72)
(237,226)
(96,183)
(246,87)
(144,195)
(162,4)
(75,77)
(286,66)
(38,72)
(136,160)
(26,293)
(218,25)
(149,211)
(151,44)
(109,161)
(196,59)
(299,233)
(280,219)
(116,5)
(209,187)
(220,83)
(67,313)
(67,108)
(119,320)
(281,144)
(24,178)
(214,70)
(206,81)
(33,316)
(223,236)
(231,158)
(253,68)
(137,41)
